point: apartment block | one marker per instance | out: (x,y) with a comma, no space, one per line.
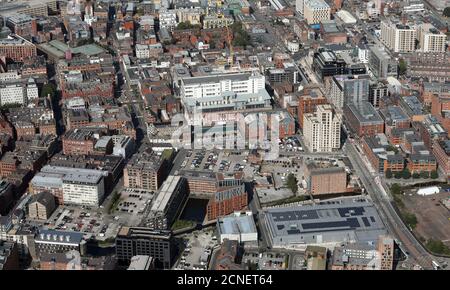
(431,39)
(398,37)
(363,119)
(349,89)
(147,170)
(322,129)
(41,206)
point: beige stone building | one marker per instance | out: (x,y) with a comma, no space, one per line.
(322,129)
(316,11)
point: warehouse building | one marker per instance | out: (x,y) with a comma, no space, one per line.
(324,223)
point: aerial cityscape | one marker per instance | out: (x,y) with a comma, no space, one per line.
(224,135)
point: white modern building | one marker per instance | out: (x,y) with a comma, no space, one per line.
(293,45)
(412,6)
(363,53)
(224,92)
(32,91)
(430,38)
(16,92)
(79,185)
(238,227)
(398,37)
(322,129)
(123,146)
(12,94)
(142,51)
(316,11)
(84,189)
(168,19)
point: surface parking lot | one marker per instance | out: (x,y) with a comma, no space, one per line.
(266,261)
(81,219)
(199,247)
(218,161)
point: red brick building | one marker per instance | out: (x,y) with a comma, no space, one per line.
(308,104)
(440,106)
(227,200)
(380,159)
(441,150)
(417,163)
(363,119)
(78,142)
(17,48)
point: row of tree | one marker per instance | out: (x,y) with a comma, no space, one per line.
(406,174)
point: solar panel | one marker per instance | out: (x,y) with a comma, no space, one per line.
(353,223)
(365,221)
(324,225)
(293,232)
(372,219)
(345,211)
(349,223)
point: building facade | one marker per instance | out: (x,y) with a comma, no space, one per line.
(322,129)
(132,241)
(398,37)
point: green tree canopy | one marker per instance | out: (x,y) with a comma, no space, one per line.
(402,67)
(438,247)
(446,12)
(48,89)
(292,183)
(388,173)
(406,174)
(240,36)
(396,189)
(424,174)
(434,174)
(410,219)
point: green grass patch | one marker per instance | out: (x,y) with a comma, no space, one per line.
(291,199)
(114,202)
(182,224)
(437,247)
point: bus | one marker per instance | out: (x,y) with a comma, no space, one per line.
(436,265)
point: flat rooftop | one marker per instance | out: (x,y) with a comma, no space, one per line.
(365,112)
(167,190)
(242,224)
(331,216)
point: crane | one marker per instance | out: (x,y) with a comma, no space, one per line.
(230,45)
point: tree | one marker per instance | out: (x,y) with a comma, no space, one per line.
(292,183)
(410,220)
(416,175)
(398,174)
(389,173)
(187,25)
(48,90)
(392,148)
(424,174)
(438,247)
(402,67)
(446,12)
(434,174)
(406,174)
(396,189)
(240,36)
